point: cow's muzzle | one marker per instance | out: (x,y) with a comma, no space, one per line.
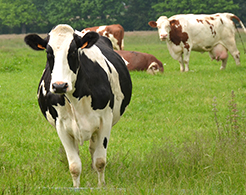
(163,37)
(60,87)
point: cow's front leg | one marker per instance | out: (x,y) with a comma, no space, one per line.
(186,59)
(72,151)
(181,63)
(98,149)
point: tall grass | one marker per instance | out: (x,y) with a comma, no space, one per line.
(183,133)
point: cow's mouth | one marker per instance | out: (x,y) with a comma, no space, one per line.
(164,38)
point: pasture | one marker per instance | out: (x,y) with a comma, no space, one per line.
(183,133)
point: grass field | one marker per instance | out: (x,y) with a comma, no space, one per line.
(183,133)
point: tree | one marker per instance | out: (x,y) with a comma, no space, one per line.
(241,11)
(18,13)
(138,14)
(173,7)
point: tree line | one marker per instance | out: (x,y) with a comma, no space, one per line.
(25,16)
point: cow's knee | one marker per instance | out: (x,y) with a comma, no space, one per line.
(237,59)
(75,170)
(236,56)
(100,164)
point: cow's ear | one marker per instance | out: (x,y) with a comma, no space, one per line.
(87,40)
(36,42)
(153,24)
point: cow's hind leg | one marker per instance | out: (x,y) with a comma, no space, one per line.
(232,48)
(72,152)
(236,56)
(98,149)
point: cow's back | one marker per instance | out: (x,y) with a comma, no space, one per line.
(203,31)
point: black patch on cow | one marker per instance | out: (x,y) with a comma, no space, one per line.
(106,41)
(111,104)
(124,76)
(50,57)
(72,57)
(47,101)
(105,142)
(93,81)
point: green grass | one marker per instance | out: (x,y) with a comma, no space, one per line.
(175,137)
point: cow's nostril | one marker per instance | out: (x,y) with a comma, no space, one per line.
(60,87)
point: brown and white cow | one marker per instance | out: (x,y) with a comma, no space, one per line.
(203,33)
(141,61)
(114,32)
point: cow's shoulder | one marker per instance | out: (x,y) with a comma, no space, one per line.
(100,66)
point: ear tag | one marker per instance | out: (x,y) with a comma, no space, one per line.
(41,47)
(85,44)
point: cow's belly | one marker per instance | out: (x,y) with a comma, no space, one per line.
(203,45)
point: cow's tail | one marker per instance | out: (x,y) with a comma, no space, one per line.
(232,16)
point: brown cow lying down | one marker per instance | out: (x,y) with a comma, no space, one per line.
(141,61)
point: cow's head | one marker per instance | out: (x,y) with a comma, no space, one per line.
(62,45)
(163,26)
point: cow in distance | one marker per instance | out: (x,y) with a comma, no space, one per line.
(114,32)
(141,62)
(198,32)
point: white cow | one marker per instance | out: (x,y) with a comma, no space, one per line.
(203,33)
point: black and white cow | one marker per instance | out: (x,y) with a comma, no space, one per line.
(83,92)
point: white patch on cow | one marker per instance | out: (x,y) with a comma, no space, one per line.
(153,68)
(101,28)
(44,92)
(80,33)
(122,44)
(50,118)
(126,62)
(60,40)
